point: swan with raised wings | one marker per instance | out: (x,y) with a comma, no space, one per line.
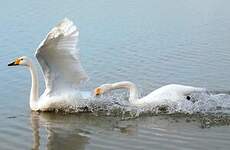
(167,93)
(58,57)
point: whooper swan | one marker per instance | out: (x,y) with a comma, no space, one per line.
(168,93)
(58,57)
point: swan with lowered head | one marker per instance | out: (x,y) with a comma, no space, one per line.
(59,59)
(167,93)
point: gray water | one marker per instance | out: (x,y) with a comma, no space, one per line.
(151,42)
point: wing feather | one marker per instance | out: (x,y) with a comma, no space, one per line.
(59,57)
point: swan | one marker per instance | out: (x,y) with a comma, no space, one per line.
(59,59)
(167,93)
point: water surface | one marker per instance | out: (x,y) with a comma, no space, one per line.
(151,43)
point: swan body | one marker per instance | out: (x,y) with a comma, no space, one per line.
(59,59)
(168,93)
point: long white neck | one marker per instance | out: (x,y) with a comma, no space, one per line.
(133,92)
(34,92)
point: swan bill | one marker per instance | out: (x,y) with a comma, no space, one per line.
(14,63)
(98,91)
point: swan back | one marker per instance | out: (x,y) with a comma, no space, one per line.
(59,58)
(171,92)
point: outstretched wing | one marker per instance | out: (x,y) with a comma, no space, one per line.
(59,57)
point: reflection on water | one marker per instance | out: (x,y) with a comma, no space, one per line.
(35,128)
(87,131)
(59,134)
(63,131)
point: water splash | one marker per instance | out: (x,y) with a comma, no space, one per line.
(206,103)
(116,104)
(200,103)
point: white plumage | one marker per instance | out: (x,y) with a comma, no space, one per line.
(171,93)
(59,59)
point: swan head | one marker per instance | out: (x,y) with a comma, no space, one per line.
(21,61)
(102,89)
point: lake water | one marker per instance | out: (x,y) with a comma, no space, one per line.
(151,42)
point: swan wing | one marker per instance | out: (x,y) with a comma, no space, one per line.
(185,90)
(171,92)
(177,89)
(59,57)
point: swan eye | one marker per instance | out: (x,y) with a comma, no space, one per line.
(188,97)
(21,59)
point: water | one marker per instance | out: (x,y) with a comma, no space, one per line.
(151,43)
